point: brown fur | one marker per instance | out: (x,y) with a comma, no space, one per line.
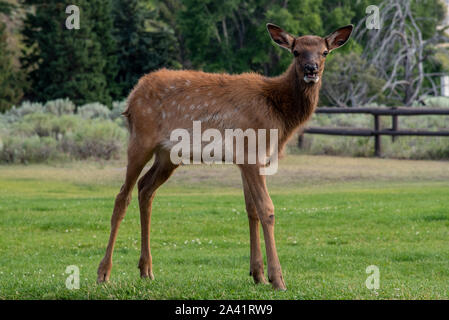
(166,100)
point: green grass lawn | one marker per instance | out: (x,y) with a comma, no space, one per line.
(334,218)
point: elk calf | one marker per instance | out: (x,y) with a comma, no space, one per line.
(167,100)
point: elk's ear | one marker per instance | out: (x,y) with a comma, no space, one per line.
(282,38)
(339,37)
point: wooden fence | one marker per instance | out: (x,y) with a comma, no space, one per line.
(377,132)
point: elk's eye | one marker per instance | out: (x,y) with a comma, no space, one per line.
(325,53)
(295,53)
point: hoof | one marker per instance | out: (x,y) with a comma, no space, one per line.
(258,277)
(145,270)
(148,276)
(278,284)
(104,272)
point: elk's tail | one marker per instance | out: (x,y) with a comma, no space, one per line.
(127,115)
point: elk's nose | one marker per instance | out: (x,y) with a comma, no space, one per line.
(311,68)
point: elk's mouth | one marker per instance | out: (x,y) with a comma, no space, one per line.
(311,77)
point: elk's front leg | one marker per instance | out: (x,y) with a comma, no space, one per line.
(256,259)
(265,210)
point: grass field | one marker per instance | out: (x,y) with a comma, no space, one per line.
(334,218)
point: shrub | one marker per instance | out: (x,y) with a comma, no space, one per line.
(40,137)
(117,108)
(19,149)
(44,124)
(94,110)
(15,113)
(28,107)
(437,102)
(60,107)
(95,138)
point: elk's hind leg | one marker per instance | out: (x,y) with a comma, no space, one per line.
(137,159)
(161,170)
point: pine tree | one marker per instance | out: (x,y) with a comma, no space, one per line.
(11,79)
(62,62)
(102,15)
(139,50)
(6,7)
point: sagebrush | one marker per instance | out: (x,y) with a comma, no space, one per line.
(56,131)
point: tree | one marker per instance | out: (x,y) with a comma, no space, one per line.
(231,36)
(168,14)
(102,15)
(393,65)
(139,50)
(10,79)
(6,7)
(349,82)
(400,49)
(224,36)
(66,63)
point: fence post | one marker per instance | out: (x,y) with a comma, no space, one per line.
(377,137)
(394,127)
(301,140)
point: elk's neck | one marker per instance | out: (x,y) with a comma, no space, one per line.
(293,100)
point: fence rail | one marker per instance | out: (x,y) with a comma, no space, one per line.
(377,132)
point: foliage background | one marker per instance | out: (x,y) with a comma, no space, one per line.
(60,88)
(120,40)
